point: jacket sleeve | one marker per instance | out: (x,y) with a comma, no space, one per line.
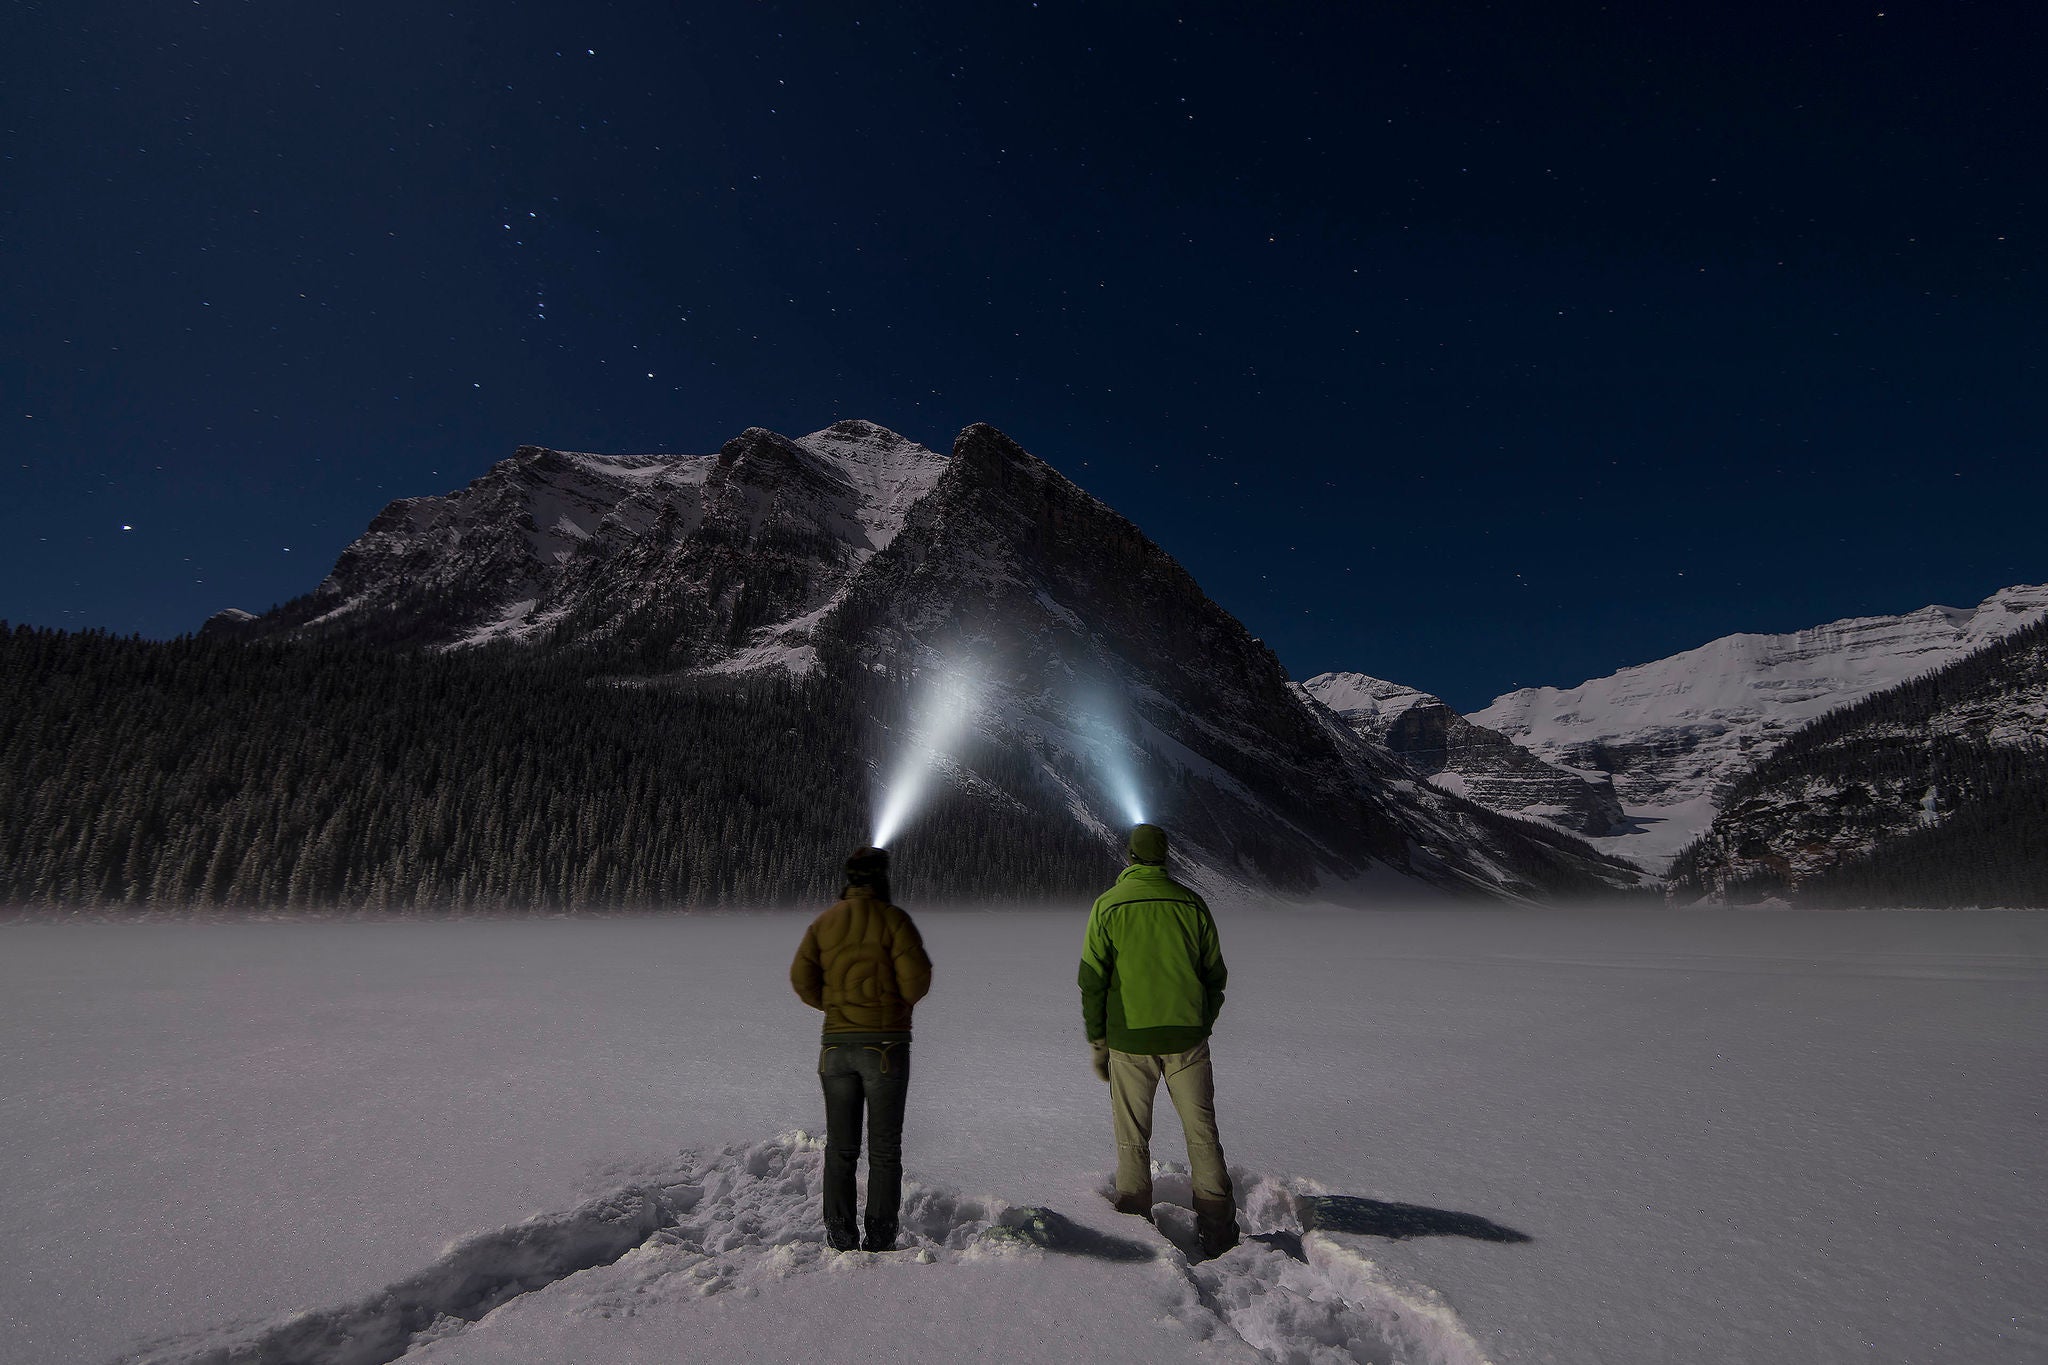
(807,972)
(913,967)
(1215,976)
(1097,957)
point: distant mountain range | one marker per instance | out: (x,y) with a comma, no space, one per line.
(860,566)
(1669,739)
(853,551)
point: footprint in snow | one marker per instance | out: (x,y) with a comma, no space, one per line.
(745,1218)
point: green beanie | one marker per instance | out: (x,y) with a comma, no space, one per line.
(1148,844)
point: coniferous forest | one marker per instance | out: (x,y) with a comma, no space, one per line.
(1993,851)
(202,773)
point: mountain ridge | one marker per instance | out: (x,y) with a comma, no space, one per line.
(1673,734)
(1470,760)
(854,549)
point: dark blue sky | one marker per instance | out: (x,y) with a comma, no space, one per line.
(1474,346)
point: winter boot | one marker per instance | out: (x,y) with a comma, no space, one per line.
(1135,1202)
(1215,1226)
(841,1237)
(881,1237)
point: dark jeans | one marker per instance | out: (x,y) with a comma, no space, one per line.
(876,1075)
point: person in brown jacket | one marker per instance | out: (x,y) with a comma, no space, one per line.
(863,963)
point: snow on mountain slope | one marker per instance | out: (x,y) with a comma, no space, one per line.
(1470,760)
(1676,732)
(705,554)
(1361,699)
(1956,761)
(887,472)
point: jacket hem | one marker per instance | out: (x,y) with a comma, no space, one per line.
(861,1035)
(1156,1042)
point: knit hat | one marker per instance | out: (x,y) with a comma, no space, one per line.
(864,866)
(1148,844)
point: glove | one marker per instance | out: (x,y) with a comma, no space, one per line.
(1100,1047)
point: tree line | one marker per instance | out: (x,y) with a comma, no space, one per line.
(216,772)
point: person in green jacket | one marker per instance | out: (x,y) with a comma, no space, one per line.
(863,963)
(1152,979)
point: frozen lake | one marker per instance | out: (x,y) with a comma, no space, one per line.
(1728,1136)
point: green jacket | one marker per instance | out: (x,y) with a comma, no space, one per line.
(863,963)
(1152,971)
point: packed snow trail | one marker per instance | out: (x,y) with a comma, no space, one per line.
(743,1223)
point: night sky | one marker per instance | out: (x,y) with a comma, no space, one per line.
(1473,346)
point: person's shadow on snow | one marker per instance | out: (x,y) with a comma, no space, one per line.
(1376,1218)
(1057,1232)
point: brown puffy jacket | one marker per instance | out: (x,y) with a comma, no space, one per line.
(863,963)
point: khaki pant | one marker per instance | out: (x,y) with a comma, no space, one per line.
(1191,1082)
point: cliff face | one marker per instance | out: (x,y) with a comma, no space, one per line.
(1454,754)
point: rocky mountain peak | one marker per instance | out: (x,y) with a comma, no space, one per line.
(1455,755)
(1356,696)
(858,433)
(1000,470)
(990,453)
(758,454)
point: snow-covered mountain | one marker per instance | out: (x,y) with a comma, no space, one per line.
(1928,793)
(1089,652)
(1676,733)
(1471,760)
(683,561)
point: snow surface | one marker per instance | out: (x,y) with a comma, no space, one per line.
(1737,1136)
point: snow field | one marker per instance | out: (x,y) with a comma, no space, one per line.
(1584,1137)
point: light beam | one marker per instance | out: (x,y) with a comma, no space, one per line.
(945,707)
(1111,747)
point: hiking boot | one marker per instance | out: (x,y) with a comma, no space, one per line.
(1215,1226)
(879,1239)
(841,1237)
